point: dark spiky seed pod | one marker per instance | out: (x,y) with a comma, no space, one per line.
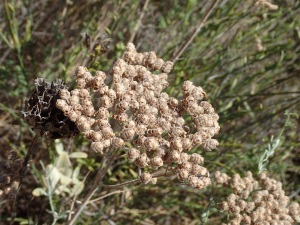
(41,113)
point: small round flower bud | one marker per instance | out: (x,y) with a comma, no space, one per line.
(89,135)
(177,132)
(156,162)
(196,170)
(210,144)
(235,210)
(150,144)
(73,116)
(132,154)
(138,59)
(81,119)
(142,161)
(155,132)
(145,178)
(242,204)
(122,117)
(64,94)
(84,127)
(60,103)
(151,58)
(157,64)
(186,144)
(80,71)
(106,102)
(84,93)
(167,67)
(193,180)
(106,143)
(81,83)
(96,136)
(182,175)
(176,144)
(128,133)
(196,159)
(196,139)
(100,74)
(206,181)
(129,57)
(107,133)
(186,165)
(102,90)
(223,206)
(97,147)
(250,206)
(102,123)
(174,156)
(74,99)
(88,111)
(117,142)
(184,157)
(86,102)
(102,113)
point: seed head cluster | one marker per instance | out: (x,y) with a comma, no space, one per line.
(268,204)
(148,118)
(9,176)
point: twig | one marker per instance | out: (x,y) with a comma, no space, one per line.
(138,24)
(22,174)
(75,196)
(191,38)
(93,189)
(121,156)
(119,185)
(111,193)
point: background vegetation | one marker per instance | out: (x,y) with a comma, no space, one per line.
(246,58)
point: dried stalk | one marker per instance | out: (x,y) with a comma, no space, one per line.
(94,188)
(22,174)
(191,38)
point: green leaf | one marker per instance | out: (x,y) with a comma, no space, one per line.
(78,155)
(59,146)
(39,191)
(64,165)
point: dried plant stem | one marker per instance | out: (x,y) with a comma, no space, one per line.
(72,205)
(119,185)
(22,173)
(111,193)
(191,38)
(138,24)
(94,188)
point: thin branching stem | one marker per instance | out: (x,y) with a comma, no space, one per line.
(22,174)
(191,38)
(93,189)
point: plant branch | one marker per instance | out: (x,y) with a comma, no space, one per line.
(93,189)
(72,204)
(22,174)
(191,38)
(111,193)
(138,24)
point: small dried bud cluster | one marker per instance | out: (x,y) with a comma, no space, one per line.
(148,117)
(9,176)
(42,110)
(268,205)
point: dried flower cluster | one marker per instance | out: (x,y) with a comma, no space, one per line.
(268,205)
(148,117)
(42,115)
(9,176)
